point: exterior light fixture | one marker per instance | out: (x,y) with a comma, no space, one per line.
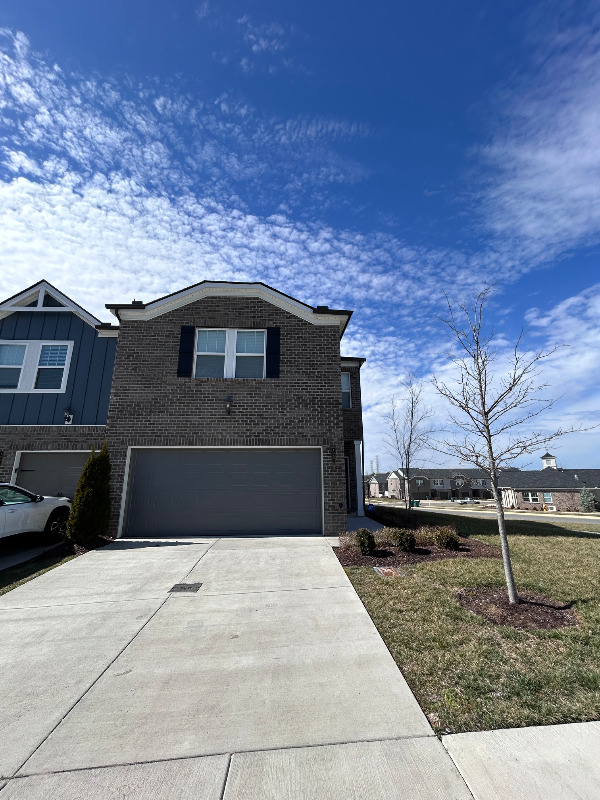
(333,454)
(228,404)
(68,416)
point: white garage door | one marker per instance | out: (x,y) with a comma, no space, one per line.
(195,491)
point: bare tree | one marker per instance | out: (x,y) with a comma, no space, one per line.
(495,412)
(408,430)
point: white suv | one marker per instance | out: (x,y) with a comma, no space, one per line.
(24,512)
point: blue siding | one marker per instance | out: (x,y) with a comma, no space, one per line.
(90,372)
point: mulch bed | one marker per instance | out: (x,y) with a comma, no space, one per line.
(533,612)
(393,557)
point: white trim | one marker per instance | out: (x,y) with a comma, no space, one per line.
(107,333)
(360,506)
(49,425)
(30,366)
(212,447)
(230,354)
(19,453)
(10,306)
(210,289)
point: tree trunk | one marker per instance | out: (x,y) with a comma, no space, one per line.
(513,597)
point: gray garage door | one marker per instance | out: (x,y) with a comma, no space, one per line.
(51,473)
(190,492)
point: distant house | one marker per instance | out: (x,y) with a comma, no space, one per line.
(383,484)
(445,484)
(551,487)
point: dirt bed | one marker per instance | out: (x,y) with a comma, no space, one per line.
(393,557)
(533,612)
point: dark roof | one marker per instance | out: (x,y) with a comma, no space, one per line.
(381,476)
(548,455)
(435,472)
(551,479)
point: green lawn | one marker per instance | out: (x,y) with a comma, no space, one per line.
(21,573)
(469,674)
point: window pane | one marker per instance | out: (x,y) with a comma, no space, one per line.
(250,342)
(9,378)
(346,400)
(249,367)
(547,497)
(49,379)
(53,355)
(345,381)
(12,355)
(212,341)
(210,366)
(12,496)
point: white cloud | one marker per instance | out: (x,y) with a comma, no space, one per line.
(541,195)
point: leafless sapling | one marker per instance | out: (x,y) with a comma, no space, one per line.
(409,432)
(492,413)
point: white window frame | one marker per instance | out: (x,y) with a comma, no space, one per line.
(547,495)
(528,497)
(30,366)
(419,481)
(347,391)
(438,481)
(230,353)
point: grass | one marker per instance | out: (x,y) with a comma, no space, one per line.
(12,577)
(469,674)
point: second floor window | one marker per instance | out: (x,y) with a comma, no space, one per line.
(230,353)
(346,394)
(34,366)
(438,481)
(419,481)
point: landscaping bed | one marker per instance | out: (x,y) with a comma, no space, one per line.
(476,663)
(389,556)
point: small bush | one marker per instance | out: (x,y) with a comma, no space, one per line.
(90,511)
(446,538)
(365,541)
(404,540)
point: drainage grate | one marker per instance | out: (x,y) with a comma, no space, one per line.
(186,587)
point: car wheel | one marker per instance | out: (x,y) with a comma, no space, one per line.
(56,527)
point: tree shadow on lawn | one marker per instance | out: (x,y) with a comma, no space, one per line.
(476,526)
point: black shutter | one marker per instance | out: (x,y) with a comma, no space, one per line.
(186,351)
(272,366)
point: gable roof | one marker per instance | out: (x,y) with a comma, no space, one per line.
(41,297)
(321,315)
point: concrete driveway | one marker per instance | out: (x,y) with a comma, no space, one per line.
(270,681)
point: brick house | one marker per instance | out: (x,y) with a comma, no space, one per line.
(231,411)
(551,487)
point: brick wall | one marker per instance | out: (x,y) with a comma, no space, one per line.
(151,406)
(14,438)
(563,500)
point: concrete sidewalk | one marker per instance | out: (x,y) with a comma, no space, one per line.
(270,682)
(552,762)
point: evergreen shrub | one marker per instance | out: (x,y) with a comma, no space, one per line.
(90,511)
(446,538)
(365,541)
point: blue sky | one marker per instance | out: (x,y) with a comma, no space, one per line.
(361,155)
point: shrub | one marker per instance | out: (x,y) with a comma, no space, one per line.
(587,500)
(365,541)
(446,538)
(90,512)
(404,540)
